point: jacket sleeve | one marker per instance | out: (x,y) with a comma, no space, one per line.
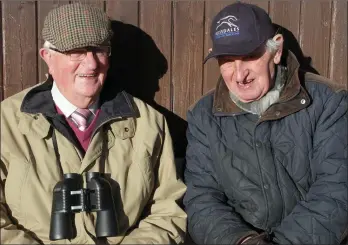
(164,221)
(322,217)
(11,232)
(210,219)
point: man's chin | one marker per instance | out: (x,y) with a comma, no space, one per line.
(247,100)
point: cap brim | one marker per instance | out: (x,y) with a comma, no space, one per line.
(210,55)
(240,52)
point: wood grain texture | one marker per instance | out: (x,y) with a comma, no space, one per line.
(187,73)
(261,3)
(125,11)
(20,46)
(43,7)
(97,3)
(338,47)
(315,31)
(1,57)
(286,14)
(155,20)
(211,68)
(180,29)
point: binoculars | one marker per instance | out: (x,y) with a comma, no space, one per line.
(69,197)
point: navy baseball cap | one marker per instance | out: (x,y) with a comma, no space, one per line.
(239,29)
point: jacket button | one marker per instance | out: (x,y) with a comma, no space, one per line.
(126,129)
(303,101)
(36,117)
(277,113)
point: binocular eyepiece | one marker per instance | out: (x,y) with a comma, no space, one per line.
(69,197)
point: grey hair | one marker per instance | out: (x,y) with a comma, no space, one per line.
(272,45)
(48,45)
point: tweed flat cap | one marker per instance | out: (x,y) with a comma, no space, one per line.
(75,26)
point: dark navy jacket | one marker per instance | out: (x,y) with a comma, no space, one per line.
(284,173)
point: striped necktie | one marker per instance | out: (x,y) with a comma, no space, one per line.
(80,118)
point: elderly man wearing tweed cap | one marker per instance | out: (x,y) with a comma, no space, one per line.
(58,134)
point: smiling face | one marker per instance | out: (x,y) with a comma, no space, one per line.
(249,77)
(79,81)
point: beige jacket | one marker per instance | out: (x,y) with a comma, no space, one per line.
(139,159)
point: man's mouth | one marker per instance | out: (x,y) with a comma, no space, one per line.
(88,75)
(245,84)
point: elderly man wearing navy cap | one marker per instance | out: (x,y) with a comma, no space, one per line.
(267,148)
(80,165)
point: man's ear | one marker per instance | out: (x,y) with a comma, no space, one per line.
(277,56)
(45,55)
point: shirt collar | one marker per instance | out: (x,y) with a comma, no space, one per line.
(65,106)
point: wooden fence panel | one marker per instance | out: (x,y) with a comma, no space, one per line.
(125,11)
(338,43)
(1,57)
(181,31)
(97,3)
(261,3)
(315,33)
(43,7)
(286,14)
(155,20)
(211,68)
(20,46)
(188,49)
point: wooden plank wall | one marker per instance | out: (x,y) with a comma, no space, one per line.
(180,31)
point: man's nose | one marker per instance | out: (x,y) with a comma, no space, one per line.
(240,71)
(90,60)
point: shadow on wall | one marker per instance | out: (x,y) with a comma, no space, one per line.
(291,43)
(136,67)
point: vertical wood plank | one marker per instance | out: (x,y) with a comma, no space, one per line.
(211,68)
(286,14)
(96,3)
(43,7)
(188,54)
(20,46)
(125,11)
(261,3)
(315,33)
(155,20)
(1,56)
(338,43)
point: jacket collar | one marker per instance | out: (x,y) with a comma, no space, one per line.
(40,113)
(292,98)
(39,101)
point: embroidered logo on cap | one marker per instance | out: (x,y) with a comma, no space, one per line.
(229,28)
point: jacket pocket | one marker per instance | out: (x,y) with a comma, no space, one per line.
(14,187)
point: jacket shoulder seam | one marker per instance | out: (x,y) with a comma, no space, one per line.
(335,87)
